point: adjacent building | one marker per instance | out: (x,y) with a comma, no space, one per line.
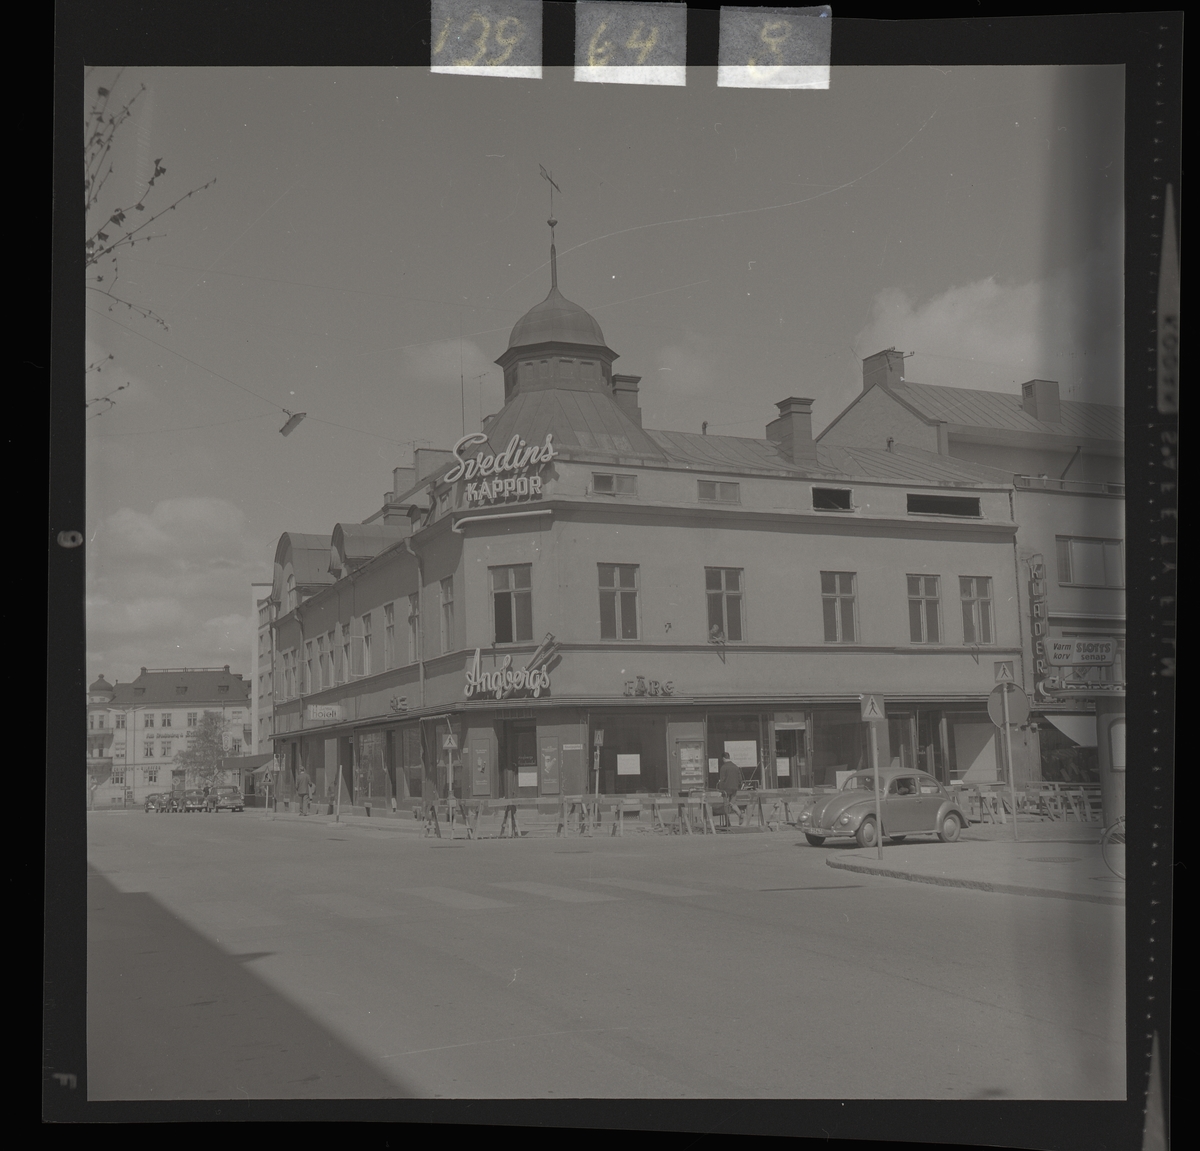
(1065,462)
(568,600)
(136,729)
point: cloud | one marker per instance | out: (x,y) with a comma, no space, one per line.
(171,588)
(995,336)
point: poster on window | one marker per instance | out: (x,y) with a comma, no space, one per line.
(783,766)
(743,752)
(691,766)
(629,765)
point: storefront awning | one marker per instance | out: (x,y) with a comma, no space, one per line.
(1079,728)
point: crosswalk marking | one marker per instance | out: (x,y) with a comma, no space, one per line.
(563,894)
(459,900)
(348,906)
(648,888)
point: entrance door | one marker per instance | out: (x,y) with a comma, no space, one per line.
(689,754)
(791,767)
(520,761)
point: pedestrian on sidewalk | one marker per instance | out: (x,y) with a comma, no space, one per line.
(304,789)
(729,782)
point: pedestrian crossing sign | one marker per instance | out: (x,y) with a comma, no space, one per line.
(1004,671)
(450,742)
(872,708)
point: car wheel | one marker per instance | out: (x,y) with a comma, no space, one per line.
(866,834)
(897,838)
(950,828)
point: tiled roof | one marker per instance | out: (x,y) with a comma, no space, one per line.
(160,688)
(1002,411)
(587,420)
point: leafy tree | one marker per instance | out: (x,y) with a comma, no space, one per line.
(201,759)
(113,229)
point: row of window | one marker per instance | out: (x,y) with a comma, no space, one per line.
(327,660)
(823,499)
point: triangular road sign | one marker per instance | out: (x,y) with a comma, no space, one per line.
(872,708)
(1004,671)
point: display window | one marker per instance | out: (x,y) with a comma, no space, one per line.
(633,754)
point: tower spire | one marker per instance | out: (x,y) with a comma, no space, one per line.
(553,255)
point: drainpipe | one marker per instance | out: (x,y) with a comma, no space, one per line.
(420,616)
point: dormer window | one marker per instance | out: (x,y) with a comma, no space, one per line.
(831,500)
(715,491)
(223,688)
(607,484)
(929,505)
(181,690)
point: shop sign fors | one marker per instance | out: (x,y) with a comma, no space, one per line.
(1037,621)
(507,475)
(505,679)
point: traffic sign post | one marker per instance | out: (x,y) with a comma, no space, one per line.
(1007,705)
(873,713)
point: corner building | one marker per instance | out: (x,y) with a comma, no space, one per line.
(568,588)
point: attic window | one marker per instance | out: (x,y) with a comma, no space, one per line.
(181,690)
(604,484)
(924,505)
(139,691)
(713,491)
(223,687)
(831,500)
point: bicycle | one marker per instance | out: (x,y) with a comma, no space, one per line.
(1112,847)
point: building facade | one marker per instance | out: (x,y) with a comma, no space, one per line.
(136,729)
(1065,460)
(569,601)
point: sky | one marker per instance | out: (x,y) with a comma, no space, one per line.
(373,235)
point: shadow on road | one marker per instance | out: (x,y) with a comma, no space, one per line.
(171,1015)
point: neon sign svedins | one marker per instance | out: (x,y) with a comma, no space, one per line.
(504,679)
(506,474)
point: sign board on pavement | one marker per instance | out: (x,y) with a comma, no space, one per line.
(1018,704)
(872,708)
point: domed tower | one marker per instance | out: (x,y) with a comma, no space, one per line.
(556,344)
(101,691)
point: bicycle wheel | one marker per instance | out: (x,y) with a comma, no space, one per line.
(1112,847)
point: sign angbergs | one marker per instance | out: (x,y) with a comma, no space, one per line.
(509,474)
(505,679)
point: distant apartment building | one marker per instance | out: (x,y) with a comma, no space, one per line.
(136,729)
(1065,460)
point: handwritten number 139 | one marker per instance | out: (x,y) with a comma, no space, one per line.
(507,34)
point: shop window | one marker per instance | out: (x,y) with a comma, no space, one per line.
(975,593)
(633,757)
(715,491)
(512,603)
(839,607)
(618,601)
(831,500)
(1068,748)
(447,593)
(924,505)
(839,745)
(410,776)
(739,737)
(723,587)
(924,609)
(370,775)
(607,484)
(1090,562)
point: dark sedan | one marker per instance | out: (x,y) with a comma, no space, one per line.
(159,801)
(194,800)
(226,799)
(912,803)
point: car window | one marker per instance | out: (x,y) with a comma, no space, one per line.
(858,783)
(905,785)
(930,787)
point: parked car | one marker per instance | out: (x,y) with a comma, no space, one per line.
(158,801)
(911,802)
(226,799)
(194,800)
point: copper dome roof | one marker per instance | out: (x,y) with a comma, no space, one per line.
(556,320)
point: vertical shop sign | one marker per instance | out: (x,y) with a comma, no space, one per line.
(548,759)
(1037,622)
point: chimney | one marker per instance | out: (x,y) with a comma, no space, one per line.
(403,480)
(792,431)
(885,368)
(1040,399)
(625,392)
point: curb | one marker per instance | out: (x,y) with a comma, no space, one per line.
(976,884)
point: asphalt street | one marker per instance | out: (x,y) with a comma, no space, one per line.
(232,957)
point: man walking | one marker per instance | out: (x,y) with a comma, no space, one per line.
(304,789)
(729,782)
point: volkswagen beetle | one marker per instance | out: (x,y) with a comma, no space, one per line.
(912,803)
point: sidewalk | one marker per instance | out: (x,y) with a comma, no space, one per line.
(1051,860)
